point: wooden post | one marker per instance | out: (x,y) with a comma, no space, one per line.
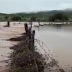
(39,23)
(26,28)
(8,23)
(31,25)
(29,36)
(33,38)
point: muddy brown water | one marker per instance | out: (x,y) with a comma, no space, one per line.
(59,42)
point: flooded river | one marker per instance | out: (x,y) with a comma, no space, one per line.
(57,39)
(59,42)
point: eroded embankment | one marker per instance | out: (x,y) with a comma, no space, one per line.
(24,59)
(5,34)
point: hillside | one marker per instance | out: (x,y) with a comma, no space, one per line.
(42,15)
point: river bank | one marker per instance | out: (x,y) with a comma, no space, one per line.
(5,51)
(14,39)
(24,59)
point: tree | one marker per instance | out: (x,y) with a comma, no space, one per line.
(58,17)
(32,19)
(38,21)
(7,19)
(16,18)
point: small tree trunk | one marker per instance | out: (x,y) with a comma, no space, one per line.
(26,28)
(31,25)
(33,38)
(39,23)
(8,23)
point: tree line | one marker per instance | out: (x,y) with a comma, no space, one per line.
(52,18)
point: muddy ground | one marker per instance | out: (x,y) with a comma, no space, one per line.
(6,33)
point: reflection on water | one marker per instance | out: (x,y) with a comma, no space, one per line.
(59,41)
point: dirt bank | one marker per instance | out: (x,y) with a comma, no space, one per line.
(7,33)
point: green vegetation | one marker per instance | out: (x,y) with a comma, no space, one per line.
(16,18)
(33,18)
(6,18)
(58,17)
(41,16)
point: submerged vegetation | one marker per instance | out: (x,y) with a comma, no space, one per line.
(22,58)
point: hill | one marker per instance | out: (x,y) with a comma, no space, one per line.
(42,15)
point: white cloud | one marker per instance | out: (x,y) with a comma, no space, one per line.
(10,6)
(65,5)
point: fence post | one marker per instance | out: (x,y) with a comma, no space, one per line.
(30,35)
(8,23)
(30,39)
(26,28)
(31,24)
(33,38)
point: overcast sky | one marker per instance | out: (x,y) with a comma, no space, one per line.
(13,6)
